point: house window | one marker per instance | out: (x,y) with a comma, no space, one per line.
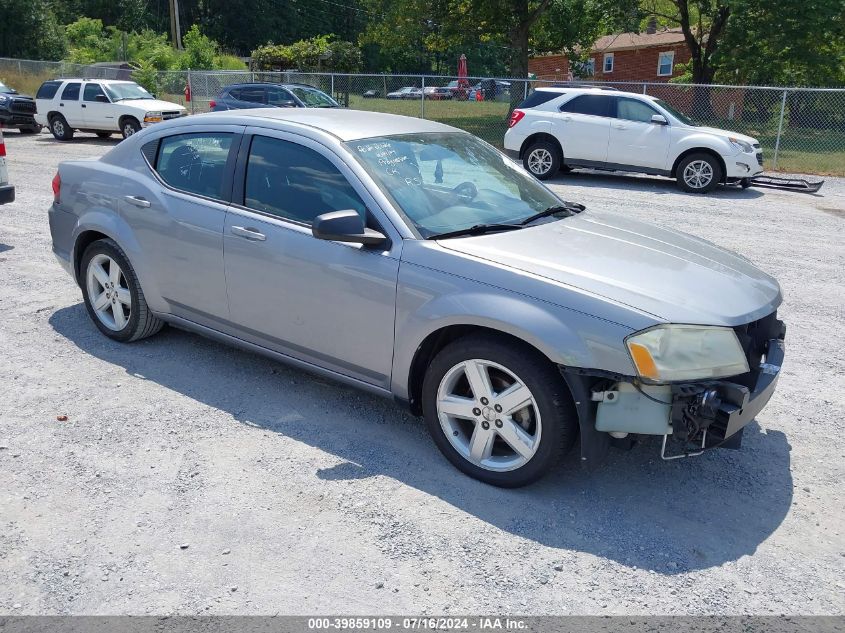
(665,64)
(608,62)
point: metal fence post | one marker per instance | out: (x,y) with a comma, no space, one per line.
(644,88)
(422,97)
(332,92)
(190,91)
(780,130)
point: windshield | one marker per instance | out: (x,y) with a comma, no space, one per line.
(313,98)
(451,181)
(127,90)
(683,118)
(4,88)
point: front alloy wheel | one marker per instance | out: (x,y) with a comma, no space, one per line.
(699,173)
(498,409)
(488,415)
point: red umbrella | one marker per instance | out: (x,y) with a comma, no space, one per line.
(463,84)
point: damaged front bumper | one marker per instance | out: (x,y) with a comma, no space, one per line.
(691,417)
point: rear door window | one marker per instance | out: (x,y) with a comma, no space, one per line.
(253,95)
(593,105)
(71,92)
(195,163)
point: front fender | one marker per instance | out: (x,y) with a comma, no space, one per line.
(721,146)
(430,300)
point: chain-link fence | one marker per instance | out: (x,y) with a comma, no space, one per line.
(801,130)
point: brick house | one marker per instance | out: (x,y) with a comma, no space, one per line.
(652,56)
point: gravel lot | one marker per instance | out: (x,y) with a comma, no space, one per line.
(190,477)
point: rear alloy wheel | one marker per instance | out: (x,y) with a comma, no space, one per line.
(497,410)
(699,173)
(542,160)
(113,296)
(129,126)
(60,129)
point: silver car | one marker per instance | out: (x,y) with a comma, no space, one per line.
(415,261)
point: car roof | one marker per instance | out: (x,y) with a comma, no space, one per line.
(611,92)
(346,125)
(252,84)
(109,81)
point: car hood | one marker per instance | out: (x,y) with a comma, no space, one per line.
(671,275)
(725,133)
(152,105)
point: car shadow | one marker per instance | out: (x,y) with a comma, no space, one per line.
(5,247)
(637,510)
(83,139)
(638,182)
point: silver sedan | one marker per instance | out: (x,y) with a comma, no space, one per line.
(413,260)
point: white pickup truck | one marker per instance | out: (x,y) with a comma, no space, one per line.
(566,128)
(101,106)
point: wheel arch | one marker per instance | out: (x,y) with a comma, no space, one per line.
(700,150)
(82,242)
(538,137)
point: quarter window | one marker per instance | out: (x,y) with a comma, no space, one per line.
(595,105)
(634,110)
(195,163)
(294,182)
(71,92)
(665,63)
(92,91)
(539,97)
(608,63)
(48,90)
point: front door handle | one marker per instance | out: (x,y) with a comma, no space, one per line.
(138,201)
(249,233)
(84,106)
(620,126)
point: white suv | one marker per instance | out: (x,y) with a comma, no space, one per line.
(101,106)
(557,128)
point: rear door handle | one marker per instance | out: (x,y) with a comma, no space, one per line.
(249,233)
(137,201)
(84,106)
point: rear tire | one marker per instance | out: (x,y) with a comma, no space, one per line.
(542,160)
(113,296)
(699,173)
(60,129)
(523,402)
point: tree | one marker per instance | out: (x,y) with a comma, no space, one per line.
(29,29)
(323,52)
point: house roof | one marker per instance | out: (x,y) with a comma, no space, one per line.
(630,41)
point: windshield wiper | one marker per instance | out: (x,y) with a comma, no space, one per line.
(477,229)
(572,208)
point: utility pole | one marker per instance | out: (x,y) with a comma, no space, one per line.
(175,28)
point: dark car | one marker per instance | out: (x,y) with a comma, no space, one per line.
(371,94)
(262,95)
(17,110)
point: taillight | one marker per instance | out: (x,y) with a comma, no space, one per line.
(516,117)
(212,104)
(2,145)
(57,187)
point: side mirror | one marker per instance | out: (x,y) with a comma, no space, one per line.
(102,99)
(659,119)
(345,226)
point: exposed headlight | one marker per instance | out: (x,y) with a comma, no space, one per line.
(152,117)
(669,353)
(741,145)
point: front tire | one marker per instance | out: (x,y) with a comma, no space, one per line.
(60,129)
(498,410)
(113,296)
(129,126)
(542,160)
(699,173)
